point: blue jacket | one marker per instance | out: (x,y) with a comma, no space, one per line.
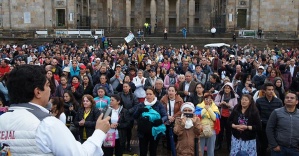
(74,72)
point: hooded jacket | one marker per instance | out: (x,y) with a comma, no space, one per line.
(233,101)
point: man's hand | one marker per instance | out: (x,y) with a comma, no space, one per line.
(186,93)
(103,124)
(276,149)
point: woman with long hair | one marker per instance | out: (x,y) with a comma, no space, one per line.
(226,100)
(151,116)
(272,75)
(279,88)
(245,123)
(86,117)
(57,109)
(209,114)
(70,109)
(129,100)
(119,124)
(197,97)
(87,85)
(53,83)
(172,103)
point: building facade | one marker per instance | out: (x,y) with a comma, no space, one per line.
(195,15)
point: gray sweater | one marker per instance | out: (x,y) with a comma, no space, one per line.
(282,128)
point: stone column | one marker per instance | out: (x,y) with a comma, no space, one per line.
(94,14)
(115,13)
(153,10)
(205,14)
(160,15)
(139,14)
(178,2)
(109,13)
(183,14)
(128,13)
(191,15)
(166,13)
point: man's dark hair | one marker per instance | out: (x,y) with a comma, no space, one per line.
(292,92)
(268,84)
(22,82)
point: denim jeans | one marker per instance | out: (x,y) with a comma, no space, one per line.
(284,151)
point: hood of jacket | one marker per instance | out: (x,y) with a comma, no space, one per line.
(233,92)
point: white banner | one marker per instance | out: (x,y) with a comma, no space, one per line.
(130,37)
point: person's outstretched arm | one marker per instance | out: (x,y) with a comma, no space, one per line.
(53,136)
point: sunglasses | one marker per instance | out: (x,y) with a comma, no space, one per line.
(188,110)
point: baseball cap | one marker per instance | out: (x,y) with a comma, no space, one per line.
(66,69)
(261,67)
(82,66)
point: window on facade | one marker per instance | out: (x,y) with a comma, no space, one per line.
(60,17)
(197,6)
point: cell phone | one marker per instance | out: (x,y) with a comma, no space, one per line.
(188,115)
(107,113)
(250,85)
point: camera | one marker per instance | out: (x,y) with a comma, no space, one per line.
(250,85)
(188,115)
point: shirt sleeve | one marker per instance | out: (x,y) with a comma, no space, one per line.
(53,136)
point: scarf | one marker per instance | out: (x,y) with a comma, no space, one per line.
(76,85)
(150,103)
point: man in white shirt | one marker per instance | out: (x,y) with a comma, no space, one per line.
(28,127)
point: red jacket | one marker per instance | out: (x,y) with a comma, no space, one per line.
(4,70)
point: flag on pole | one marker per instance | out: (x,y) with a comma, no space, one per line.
(130,37)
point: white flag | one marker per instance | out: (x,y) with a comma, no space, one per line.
(129,38)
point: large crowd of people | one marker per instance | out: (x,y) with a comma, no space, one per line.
(194,98)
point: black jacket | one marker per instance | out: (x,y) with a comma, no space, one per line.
(88,90)
(252,120)
(266,107)
(90,121)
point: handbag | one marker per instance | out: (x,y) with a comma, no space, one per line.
(206,131)
(110,139)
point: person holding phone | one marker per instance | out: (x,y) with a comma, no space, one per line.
(226,100)
(187,128)
(248,89)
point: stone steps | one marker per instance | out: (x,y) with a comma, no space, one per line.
(174,41)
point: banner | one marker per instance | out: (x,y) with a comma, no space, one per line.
(130,37)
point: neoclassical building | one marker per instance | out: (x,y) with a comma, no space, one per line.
(196,15)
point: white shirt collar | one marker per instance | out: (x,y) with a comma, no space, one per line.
(40,107)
